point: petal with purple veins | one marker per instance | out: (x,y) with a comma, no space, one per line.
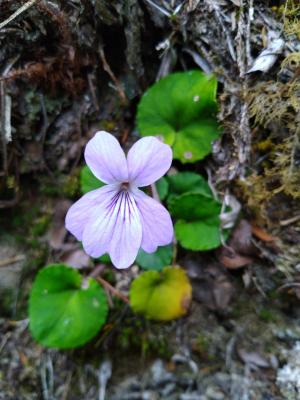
(106,159)
(156,222)
(115,229)
(80,212)
(148,160)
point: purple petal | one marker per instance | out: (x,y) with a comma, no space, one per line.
(80,212)
(115,229)
(156,222)
(106,159)
(148,160)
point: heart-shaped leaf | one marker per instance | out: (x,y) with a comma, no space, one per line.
(200,234)
(155,261)
(164,295)
(193,206)
(88,181)
(191,202)
(65,311)
(181,108)
(183,182)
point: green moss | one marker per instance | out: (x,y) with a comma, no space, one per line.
(202,343)
(50,189)
(145,338)
(71,186)
(40,225)
(267,315)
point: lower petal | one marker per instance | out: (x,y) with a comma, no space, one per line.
(80,212)
(156,222)
(115,230)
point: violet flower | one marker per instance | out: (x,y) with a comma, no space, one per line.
(118,218)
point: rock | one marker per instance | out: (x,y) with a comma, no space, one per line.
(288,377)
(159,374)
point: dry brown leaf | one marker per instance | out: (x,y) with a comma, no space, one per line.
(233,260)
(212,285)
(261,234)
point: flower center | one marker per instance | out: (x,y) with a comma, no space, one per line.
(124,185)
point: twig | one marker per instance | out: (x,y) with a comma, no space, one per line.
(288,285)
(240,43)
(107,68)
(67,386)
(113,290)
(47,377)
(161,9)
(97,271)
(259,288)
(289,221)
(93,92)
(3,97)
(19,11)
(12,260)
(5,340)
(224,28)
(5,108)
(107,286)
(248,33)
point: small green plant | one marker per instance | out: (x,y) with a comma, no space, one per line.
(197,212)
(118,223)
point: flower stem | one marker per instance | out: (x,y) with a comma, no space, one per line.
(111,289)
(95,274)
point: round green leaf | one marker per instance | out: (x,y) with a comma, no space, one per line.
(193,206)
(188,182)
(181,108)
(199,235)
(88,181)
(161,295)
(65,311)
(155,261)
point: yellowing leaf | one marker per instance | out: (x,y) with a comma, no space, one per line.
(163,295)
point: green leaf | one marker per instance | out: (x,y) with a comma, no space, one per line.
(183,182)
(155,261)
(199,235)
(193,206)
(65,311)
(162,187)
(88,181)
(191,202)
(194,142)
(181,108)
(161,295)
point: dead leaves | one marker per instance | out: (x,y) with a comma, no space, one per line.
(212,285)
(241,249)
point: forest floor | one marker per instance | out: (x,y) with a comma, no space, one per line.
(69,68)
